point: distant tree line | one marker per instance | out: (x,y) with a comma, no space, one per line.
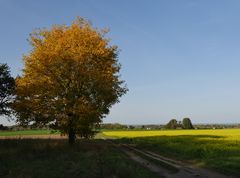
(113,126)
(216,126)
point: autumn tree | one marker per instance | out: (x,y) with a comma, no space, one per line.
(70,79)
(7,85)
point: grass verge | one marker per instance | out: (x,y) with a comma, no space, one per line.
(28,132)
(55,158)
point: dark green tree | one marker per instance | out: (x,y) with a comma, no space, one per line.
(187,124)
(172,124)
(7,85)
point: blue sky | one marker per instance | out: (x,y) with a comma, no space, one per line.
(179,58)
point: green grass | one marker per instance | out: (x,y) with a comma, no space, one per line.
(27,132)
(55,158)
(216,149)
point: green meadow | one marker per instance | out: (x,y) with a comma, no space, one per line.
(26,132)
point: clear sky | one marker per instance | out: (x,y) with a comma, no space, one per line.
(179,58)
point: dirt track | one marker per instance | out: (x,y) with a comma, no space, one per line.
(168,168)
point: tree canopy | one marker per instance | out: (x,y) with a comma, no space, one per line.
(187,124)
(7,85)
(172,124)
(70,79)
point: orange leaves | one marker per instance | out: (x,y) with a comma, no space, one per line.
(70,75)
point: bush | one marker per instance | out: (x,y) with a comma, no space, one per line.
(2,127)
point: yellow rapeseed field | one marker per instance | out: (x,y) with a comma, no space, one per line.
(213,148)
(226,134)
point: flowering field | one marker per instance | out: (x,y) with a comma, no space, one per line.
(226,134)
(215,149)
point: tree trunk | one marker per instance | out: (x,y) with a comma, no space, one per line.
(71,136)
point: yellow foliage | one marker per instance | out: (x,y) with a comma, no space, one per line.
(70,74)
